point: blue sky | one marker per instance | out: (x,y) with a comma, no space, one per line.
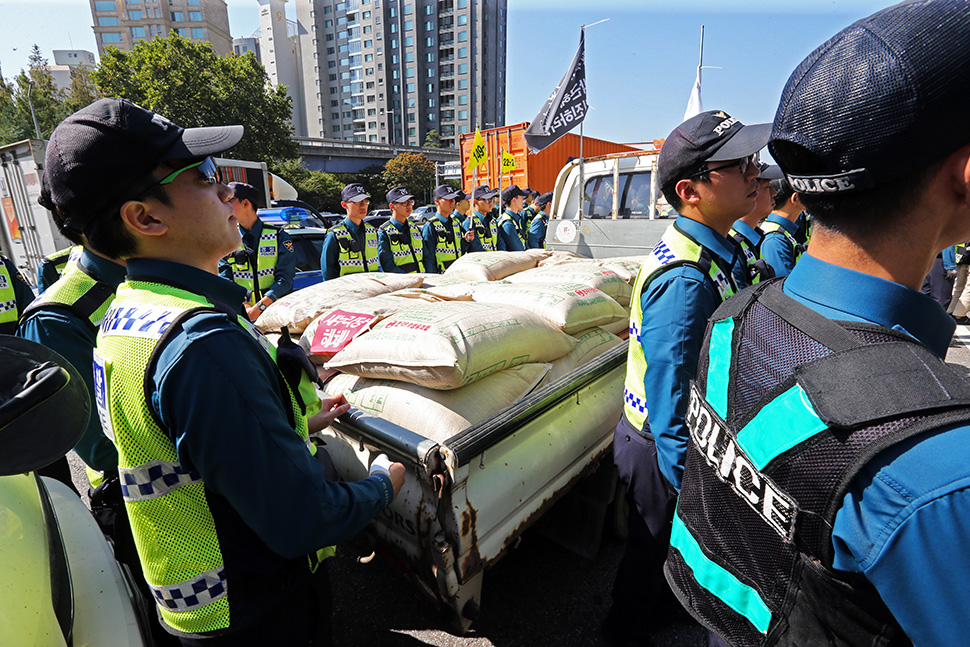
(640,64)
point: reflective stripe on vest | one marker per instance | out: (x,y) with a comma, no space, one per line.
(771,227)
(171,522)
(63,258)
(488,236)
(79,292)
(507,216)
(674,249)
(757,268)
(446,251)
(407,248)
(351,262)
(8,298)
(267,255)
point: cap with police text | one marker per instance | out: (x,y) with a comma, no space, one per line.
(106,152)
(354,193)
(482,192)
(880,99)
(712,136)
(512,193)
(445,192)
(243,191)
(398,194)
(544,199)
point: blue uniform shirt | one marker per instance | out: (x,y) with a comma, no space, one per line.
(217,394)
(429,238)
(285,268)
(65,333)
(384,254)
(676,306)
(950,258)
(476,244)
(905,521)
(508,234)
(776,249)
(740,269)
(537,231)
(330,253)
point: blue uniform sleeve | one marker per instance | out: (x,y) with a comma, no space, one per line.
(384,254)
(285,268)
(21,289)
(61,334)
(778,252)
(902,524)
(218,397)
(46,275)
(676,308)
(225,269)
(475,245)
(510,236)
(949,258)
(329,255)
(537,234)
(428,245)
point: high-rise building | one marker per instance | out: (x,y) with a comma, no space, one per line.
(66,60)
(392,70)
(122,23)
(279,48)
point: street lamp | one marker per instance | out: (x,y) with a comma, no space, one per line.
(30,102)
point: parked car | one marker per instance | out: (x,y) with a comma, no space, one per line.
(381,212)
(307,245)
(59,581)
(423,214)
(376,220)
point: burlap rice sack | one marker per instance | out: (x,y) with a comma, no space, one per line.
(626,266)
(571,307)
(557,257)
(607,281)
(494,266)
(434,414)
(297,309)
(450,344)
(592,343)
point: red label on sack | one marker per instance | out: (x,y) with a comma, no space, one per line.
(336,330)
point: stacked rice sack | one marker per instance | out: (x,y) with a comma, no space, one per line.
(439,353)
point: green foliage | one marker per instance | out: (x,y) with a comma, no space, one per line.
(33,87)
(186,82)
(432,139)
(413,170)
(319,189)
(81,92)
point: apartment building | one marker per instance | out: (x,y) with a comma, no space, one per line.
(122,23)
(391,70)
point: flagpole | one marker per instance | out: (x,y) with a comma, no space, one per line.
(700,60)
(582,178)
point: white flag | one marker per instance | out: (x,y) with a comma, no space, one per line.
(694,105)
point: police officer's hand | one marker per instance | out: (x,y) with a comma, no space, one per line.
(395,471)
(469,235)
(333,406)
(253,312)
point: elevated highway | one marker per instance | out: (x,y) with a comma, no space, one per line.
(341,156)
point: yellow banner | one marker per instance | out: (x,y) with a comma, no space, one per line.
(508,162)
(479,154)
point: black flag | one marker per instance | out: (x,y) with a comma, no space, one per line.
(566,106)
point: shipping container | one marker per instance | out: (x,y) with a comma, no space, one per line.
(536,171)
(28,233)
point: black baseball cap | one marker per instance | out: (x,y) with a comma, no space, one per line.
(512,193)
(770,172)
(712,136)
(243,191)
(354,193)
(445,192)
(105,153)
(398,194)
(482,192)
(544,199)
(461,196)
(883,97)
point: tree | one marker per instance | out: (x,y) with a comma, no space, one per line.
(82,92)
(35,86)
(413,170)
(318,189)
(432,139)
(186,82)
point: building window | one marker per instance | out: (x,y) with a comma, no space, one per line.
(408,41)
(462,36)
(393,27)
(463,100)
(177,16)
(409,57)
(195,16)
(463,114)
(462,52)
(368,29)
(366,15)
(463,20)
(193,3)
(368,43)
(462,4)
(430,72)
(463,68)
(462,130)
(393,43)
(411,132)
(330,51)
(410,87)
(408,25)
(394,74)
(105,5)
(463,84)
(430,116)
(393,12)
(328,38)
(111,37)
(429,26)
(429,41)
(109,21)
(328,23)
(331,64)
(334,116)
(138,32)
(431,91)
(132,15)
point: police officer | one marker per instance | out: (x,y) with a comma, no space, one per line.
(511,235)
(53,265)
(199,405)
(828,466)
(780,247)
(398,243)
(265,263)
(442,238)
(747,234)
(15,295)
(708,173)
(537,227)
(351,244)
(480,221)
(462,207)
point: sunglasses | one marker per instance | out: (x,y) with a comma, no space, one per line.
(206,167)
(743,164)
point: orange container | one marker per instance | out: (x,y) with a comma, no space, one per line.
(536,171)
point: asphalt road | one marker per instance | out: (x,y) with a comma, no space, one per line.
(539,594)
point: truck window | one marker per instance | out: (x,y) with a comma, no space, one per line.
(634,196)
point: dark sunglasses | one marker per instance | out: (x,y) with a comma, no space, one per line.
(743,164)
